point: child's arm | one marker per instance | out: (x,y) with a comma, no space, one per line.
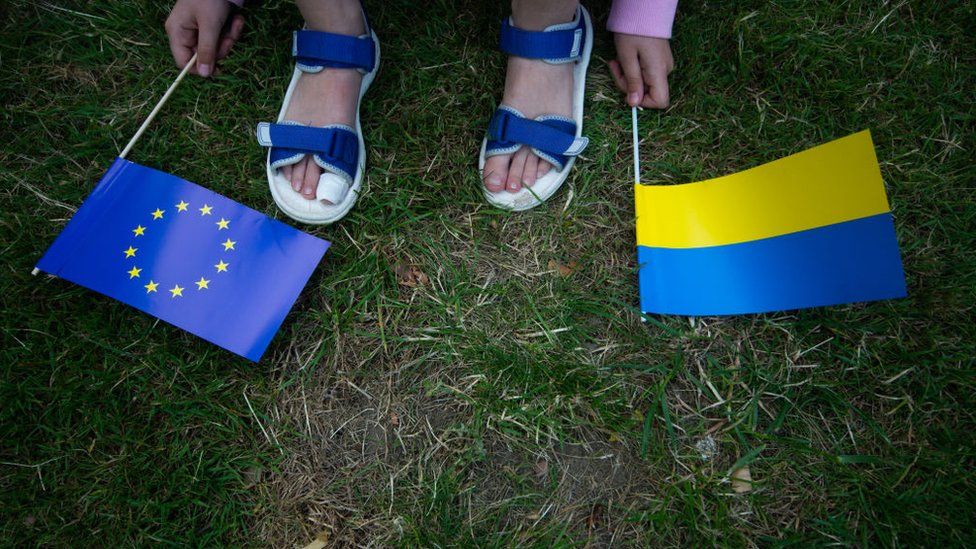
(641,32)
(195,26)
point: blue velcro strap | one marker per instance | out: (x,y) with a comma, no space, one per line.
(554,137)
(334,147)
(556,44)
(315,49)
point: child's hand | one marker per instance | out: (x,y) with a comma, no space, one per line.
(641,69)
(195,25)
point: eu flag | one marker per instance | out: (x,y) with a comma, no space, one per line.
(186,255)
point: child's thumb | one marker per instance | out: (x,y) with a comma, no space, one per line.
(635,83)
(207,48)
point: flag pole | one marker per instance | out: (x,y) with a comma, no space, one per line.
(145,124)
(633,125)
(152,114)
(633,122)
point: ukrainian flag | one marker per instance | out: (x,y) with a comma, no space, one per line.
(808,230)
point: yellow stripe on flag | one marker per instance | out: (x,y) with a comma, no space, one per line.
(831,183)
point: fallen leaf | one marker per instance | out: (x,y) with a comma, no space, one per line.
(394,419)
(563,270)
(410,275)
(742,480)
(596,516)
(542,468)
(321,540)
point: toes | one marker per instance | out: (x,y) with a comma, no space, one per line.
(531,167)
(298,174)
(285,172)
(543,169)
(513,183)
(496,172)
(311,180)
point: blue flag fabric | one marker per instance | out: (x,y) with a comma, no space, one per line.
(186,255)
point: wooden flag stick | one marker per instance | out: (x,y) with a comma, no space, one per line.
(145,124)
(633,122)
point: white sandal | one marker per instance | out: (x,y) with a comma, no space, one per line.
(553,138)
(338,149)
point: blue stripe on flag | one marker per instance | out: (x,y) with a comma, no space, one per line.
(841,263)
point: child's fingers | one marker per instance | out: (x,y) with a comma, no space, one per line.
(658,96)
(181,54)
(181,42)
(236,27)
(618,75)
(233,35)
(225,45)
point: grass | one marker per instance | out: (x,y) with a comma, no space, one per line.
(454,374)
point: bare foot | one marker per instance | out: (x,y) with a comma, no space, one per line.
(534,88)
(327,97)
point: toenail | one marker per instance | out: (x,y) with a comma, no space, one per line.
(495,180)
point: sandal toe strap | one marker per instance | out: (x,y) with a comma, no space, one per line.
(551,137)
(335,148)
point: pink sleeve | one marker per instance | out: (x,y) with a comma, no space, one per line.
(642,17)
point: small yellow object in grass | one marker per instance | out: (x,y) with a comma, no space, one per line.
(742,480)
(321,540)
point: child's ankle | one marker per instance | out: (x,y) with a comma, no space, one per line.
(335,16)
(538,14)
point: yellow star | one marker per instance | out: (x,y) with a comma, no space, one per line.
(229,245)
(139,230)
(202,284)
(130,252)
(222,224)
(181,207)
(158,214)
(176,291)
(205,210)
(221,267)
(134,272)
(151,287)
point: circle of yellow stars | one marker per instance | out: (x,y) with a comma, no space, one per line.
(177,291)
